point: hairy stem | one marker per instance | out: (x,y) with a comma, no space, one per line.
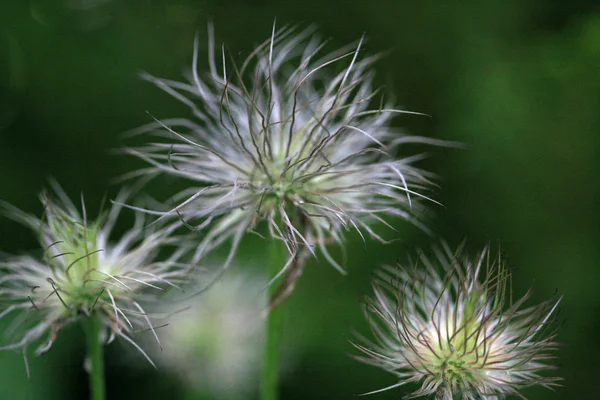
(274,320)
(92,326)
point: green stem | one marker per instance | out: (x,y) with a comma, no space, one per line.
(92,326)
(274,322)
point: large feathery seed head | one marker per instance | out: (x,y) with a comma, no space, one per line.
(449,323)
(279,139)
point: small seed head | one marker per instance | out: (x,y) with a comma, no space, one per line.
(81,272)
(448,323)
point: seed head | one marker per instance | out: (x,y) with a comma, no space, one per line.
(281,140)
(81,272)
(448,322)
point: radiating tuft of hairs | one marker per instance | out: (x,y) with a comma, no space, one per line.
(448,323)
(279,139)
(81,272)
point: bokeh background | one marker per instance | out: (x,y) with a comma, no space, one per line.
(517,81)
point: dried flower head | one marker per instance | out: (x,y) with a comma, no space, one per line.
(81,272)
(448,322)
(279,139)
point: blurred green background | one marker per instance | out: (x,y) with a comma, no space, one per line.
(518,81)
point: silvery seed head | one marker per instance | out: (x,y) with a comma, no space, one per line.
(81,271)
(278,138)
(448,323)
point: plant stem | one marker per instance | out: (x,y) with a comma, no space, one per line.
(274,322)
(92,326)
